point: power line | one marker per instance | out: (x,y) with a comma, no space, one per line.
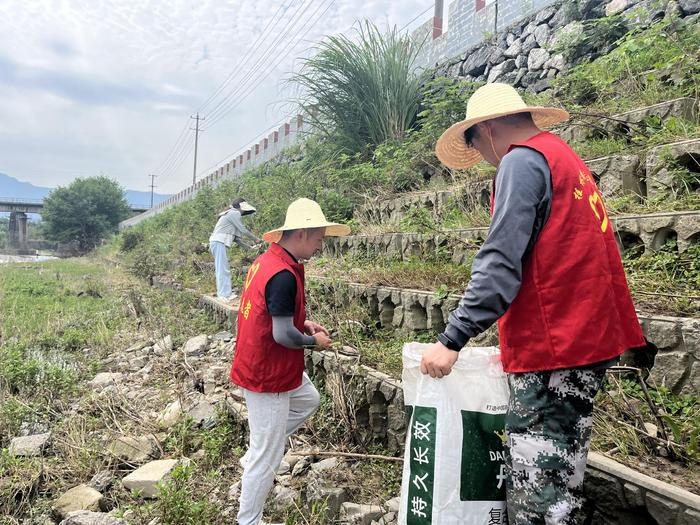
(417,17)
(228,158)
(254,76)
(248,54)
(174,157)
(177,149)
(263,74)
(213,113)
(175,146)
(181,156)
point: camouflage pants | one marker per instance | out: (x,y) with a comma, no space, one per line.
(548,430)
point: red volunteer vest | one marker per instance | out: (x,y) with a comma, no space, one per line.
(260,364)
(574,307)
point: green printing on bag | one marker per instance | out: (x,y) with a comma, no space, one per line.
(421,466)
(483,462)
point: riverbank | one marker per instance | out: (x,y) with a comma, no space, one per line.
(102,376)
(60,323)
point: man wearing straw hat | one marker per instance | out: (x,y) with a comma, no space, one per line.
(269,359)
(550,273)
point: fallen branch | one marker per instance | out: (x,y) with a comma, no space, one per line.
(325,453)
(677,296)
(650,402)
(668,444)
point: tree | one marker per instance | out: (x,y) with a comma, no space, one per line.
(365,92)
(85,211)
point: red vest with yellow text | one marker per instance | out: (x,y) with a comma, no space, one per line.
(260,364)
(574,307)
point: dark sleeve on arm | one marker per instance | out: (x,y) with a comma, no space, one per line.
(522,183)
(280,294)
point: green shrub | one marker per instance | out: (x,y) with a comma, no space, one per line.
(130,239)
(178,504)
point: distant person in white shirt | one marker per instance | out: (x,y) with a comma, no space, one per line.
(229,228)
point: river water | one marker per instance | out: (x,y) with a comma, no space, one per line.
(24,258)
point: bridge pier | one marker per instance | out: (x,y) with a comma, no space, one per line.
(17,239)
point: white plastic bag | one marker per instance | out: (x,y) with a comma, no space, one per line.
(454,469)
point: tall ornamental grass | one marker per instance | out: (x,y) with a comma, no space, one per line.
(363,91)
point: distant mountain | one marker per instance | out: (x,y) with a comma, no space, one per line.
(16,189)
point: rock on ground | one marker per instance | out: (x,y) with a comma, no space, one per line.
(146,478)
(104,379)
(326,464)
(334,497)
(164,346)
(29,446)
(85,517)
(196,346)
(134,449)
(284,496)
(81,497)
(203,415)
(170,415)
(356,514)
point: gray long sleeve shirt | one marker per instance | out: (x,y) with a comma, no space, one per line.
(286,334)
(230,228)
(521,209)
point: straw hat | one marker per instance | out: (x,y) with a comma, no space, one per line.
(489,102)
(305,213)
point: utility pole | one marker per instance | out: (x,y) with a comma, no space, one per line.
(196,118)
(153,178)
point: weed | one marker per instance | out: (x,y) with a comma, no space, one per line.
(646,67)
(177,503)
(665,279)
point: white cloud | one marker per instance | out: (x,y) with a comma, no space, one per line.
(106,87)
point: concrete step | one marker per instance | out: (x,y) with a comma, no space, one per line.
(646,174)
(634,231)
(678,338)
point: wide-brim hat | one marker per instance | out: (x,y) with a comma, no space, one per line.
(489,102)
(244,206)
(303,214)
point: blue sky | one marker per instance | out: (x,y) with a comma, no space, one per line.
(92,87)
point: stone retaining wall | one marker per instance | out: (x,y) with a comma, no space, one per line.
(627,124)
(225,315)
(370,401)
(649,174)
(676,365)
(535,50)
(617,494)
(391,211)
(641,232)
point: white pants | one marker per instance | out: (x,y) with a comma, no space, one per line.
(221,268)
(272,418)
